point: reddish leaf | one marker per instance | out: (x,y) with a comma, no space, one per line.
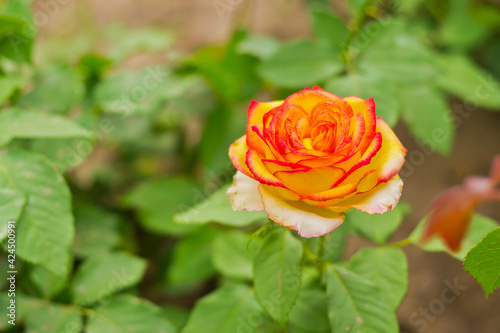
(450,216)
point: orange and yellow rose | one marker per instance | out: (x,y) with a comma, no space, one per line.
(313,156)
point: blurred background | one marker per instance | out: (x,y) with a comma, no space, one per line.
(165,85)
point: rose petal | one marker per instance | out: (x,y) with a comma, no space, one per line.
(382,198)
(392,154)
(244,193)
(307,99)
(312,181)
(308,221)
(259,171)
(367,109)
(238,155)
(256,113)
(334,193)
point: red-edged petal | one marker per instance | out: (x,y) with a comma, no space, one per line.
(259,170)
(237,154)
(307,220)
(307,182)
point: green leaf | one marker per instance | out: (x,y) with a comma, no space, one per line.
(4,320)
(335,243)
(45,230)
(328,28)
(11,206)
(156,208)
(130,93)
(42,316)
(129,41)
(397,56)
(356,305)
(309,314)
(217,208)
(483,261)
(428,116)
(479,227)
(277,274)
(369,85)
(66,153)
(231,256)
(128,314)
(9,84)
(231,308)
(33,124)
(458,29)
(377,227)
(47,282)
(102,275)
(261,47)
(358,6)
(465,79)
(97,231)
(61,81)
(176,315)
(192,258)
(222,128)
(302,63)
(16,38)
(387,268)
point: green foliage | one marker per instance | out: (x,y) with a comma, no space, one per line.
(397,55)
(231,308)
(483,261)
(114,167)
(356,304)
(277,274)
(46,317)
(96,231)
(217,208)
(128,314)
(34,124)
(192,258)
(463,78)
(61,81)
(9,84)
(309,314)
(231,257)
(16,38)
(299,64)
(377,228)
(45,231)
(11,207)
(156,209)
(101,275)
(386,268)
(437,125)
(328,28)
(46,282)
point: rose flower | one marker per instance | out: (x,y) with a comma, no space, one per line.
(313,156)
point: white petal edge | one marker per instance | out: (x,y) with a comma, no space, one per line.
(383,197)
(244,193)
(313,222)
